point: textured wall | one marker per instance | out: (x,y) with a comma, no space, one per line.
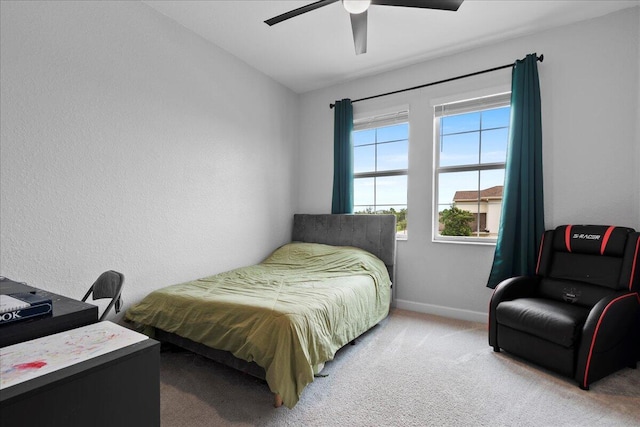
(590,87)
(129,143)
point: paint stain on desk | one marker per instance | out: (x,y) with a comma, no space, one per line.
(31,365)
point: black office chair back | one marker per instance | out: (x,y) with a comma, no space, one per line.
(108,285)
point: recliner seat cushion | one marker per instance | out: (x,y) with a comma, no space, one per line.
(554,321)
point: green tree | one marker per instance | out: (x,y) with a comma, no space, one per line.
(457,222)
(367,211)
(401,218)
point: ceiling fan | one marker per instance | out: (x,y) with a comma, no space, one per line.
(358,12)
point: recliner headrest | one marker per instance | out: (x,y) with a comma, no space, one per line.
(591,239)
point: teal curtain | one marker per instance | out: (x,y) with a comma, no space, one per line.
(522,220)
(342,201)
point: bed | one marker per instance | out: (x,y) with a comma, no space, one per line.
(282,319)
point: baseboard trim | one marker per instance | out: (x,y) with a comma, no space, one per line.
(439,310)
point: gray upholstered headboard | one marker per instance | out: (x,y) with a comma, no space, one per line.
(373,233)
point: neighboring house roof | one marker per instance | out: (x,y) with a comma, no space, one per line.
(472,195)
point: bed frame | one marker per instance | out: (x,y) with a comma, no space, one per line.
(373,233)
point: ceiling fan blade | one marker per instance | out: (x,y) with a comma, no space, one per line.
(425,4)
(359,28)
(298,11)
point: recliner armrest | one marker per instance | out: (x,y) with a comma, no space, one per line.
(609,325)
(516,287)
(509,289)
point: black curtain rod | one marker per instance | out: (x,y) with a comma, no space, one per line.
(539,58)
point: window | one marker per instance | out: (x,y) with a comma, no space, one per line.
(380,163)
(470,154)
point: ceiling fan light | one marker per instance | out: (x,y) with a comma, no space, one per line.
(356,6)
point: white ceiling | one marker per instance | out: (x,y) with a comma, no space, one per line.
(315,50)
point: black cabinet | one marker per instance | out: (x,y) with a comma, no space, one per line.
(118,388)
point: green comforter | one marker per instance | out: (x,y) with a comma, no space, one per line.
(289,314)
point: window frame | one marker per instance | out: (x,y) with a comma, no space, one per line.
(466,103)
(383,118)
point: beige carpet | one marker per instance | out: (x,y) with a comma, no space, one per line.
(410,370)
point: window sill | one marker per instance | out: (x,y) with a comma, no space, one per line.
(469,241)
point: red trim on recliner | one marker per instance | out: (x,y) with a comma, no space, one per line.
(605,240)
(540,253)
(585,382)
(567,237)
(635,259)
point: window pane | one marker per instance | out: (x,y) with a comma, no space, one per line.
(361,137)
(393,155)
(364,159)
(393,133)
(498,117)
(456,185)
(460,149)
(363,193)
(494,146)
(491,178)
(391,190)
(477,218)
(460,123)
(492,185)
(458,201)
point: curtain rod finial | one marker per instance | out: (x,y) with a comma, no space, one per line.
(541,57)
(331,106)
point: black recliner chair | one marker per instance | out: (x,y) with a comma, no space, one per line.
(579,315)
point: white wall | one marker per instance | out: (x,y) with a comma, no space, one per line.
(590,92)
(129,143)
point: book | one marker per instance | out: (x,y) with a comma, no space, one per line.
(22,306)
(9,303)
